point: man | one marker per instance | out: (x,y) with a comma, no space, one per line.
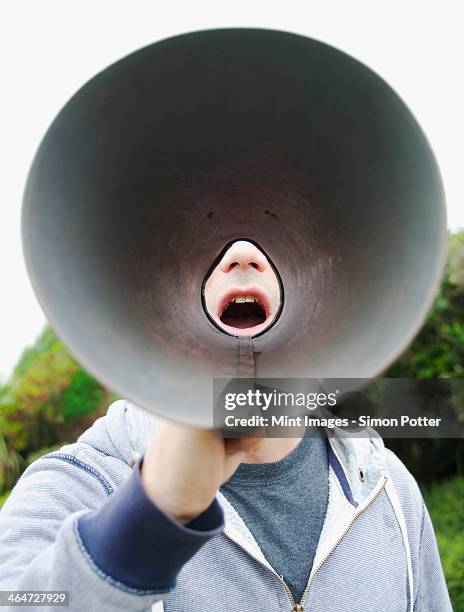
(183,520)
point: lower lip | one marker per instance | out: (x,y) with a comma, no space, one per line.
(247,331)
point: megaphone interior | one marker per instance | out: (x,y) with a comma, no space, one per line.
(200,140)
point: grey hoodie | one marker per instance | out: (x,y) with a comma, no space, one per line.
(377,551)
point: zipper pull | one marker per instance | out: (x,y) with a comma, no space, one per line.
(297,608)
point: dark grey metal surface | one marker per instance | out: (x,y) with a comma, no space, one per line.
(167,155)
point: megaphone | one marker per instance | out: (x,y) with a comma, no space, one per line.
(205,138)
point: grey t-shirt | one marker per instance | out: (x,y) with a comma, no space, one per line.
(284,505)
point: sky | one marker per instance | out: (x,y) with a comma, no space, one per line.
(49,49)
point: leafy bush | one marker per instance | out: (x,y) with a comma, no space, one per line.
(437,352)
(11,462)
(445,504)
(3,497)
(42,374)
(49,400)
(11,465)
(81,397)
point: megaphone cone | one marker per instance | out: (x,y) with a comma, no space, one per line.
(206,138)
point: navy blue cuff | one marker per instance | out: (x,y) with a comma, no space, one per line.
(135,543)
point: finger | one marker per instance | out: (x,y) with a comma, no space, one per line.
(241,445)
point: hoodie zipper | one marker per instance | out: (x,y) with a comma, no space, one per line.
(295,606)
(299,607)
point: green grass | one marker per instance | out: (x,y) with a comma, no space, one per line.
(3,497)
(445,502)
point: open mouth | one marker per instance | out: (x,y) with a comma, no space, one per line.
(243,311)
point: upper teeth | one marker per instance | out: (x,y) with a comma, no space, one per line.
(241,299)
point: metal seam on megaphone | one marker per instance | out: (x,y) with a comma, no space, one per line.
(246,360)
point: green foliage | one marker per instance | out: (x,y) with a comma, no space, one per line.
(49,400)
(437,352)
(10,460)
(81,397)
(3,497)
(445,504)
(47,343)
(39,379)
(41,452)
(11,465)
(456,259)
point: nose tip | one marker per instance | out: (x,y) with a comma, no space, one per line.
(244,256)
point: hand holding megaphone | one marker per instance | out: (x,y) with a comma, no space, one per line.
(183,468)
